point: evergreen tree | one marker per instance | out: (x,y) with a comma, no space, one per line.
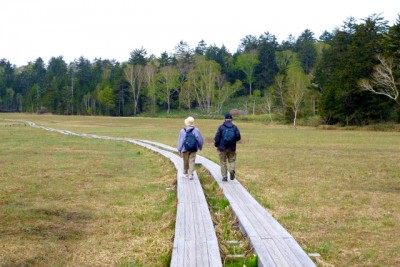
(305,48)
(56,79)
(267,68)
(138,57)
(351,57)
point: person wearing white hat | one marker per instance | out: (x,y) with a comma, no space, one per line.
(189,142)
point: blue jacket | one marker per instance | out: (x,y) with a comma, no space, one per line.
(182,134)
(218,137)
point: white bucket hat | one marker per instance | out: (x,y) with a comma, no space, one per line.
(189,121)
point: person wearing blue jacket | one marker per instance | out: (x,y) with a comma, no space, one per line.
(187,150)
(225,141)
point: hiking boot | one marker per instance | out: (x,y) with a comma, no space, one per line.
(190,177)
(232,174)
(224,179)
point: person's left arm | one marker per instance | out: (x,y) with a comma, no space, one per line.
(180,140)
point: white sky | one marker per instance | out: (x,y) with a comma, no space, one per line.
(111,29)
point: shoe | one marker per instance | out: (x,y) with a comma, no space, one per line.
(185,176)
(190,177)
(224,179)
(232,174)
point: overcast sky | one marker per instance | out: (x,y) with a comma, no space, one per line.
(111,29)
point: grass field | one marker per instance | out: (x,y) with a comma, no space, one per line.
(337,192)
(68,201)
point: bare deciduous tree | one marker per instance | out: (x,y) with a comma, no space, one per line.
(297,86)
(170,80)
(150,71)
(187,95)
(247,62)
(134,76)
(203,81)
(267,104)
(383,81)
(279,90)
(224,91)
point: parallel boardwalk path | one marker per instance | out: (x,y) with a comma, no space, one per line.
(195,242)
(273,245)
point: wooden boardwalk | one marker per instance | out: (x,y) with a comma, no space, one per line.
(195,242)
(273,245)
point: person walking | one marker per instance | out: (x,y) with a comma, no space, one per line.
(225,141)
(189,142)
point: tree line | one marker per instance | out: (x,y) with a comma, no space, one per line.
(348,76)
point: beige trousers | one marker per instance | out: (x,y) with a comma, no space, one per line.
(225,156)
(189,159)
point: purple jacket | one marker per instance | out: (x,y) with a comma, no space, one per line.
(182,134)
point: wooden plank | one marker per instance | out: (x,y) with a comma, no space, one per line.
(186,191)
(180,188)
(299,252)
(264,258)
(179,252)
(200,193)
(210,234)
(201,253)
(193,191)
(200,232)
(261,211)
(174,258)
(189,222)
(287,252)
(275,253)
(247,212)
(190,253)
(244,221)
(269,229)
(214,257)
(179,238)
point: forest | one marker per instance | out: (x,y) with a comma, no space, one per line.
(350,76)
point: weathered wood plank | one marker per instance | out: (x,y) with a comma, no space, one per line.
(264,258)
(214,257)
(190,253)
(210,234)
(179,240)
(201,253)
(299,252)
(287,252)
(200,232)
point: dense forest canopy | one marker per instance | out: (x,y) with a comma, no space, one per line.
(348,76)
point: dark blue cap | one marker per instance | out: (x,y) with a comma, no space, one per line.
(228,116)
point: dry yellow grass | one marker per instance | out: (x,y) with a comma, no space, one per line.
(69,201)
(337,192)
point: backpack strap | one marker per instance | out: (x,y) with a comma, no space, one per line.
(188,131)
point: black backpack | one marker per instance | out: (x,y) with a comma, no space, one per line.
(229,136)
(190,141)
